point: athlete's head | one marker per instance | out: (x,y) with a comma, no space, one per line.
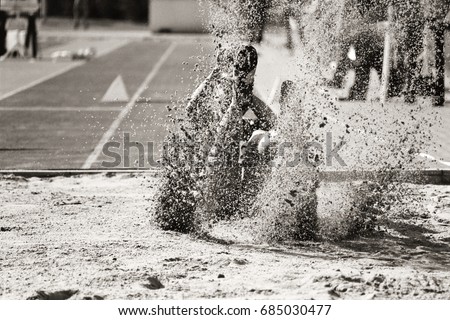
(245,63)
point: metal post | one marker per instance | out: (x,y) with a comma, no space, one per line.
(387,57)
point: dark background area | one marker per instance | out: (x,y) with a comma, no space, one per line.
(136,10)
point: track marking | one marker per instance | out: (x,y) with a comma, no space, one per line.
(115,125)
(53,109)
(428,157)
(72,65)
(116,91)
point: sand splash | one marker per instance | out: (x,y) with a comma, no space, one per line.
(293,203)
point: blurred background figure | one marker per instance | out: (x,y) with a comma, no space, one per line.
(436,12)
(80,13)
(255,14)
(289,7)
(361,46)
(3,32)
(31,37)
(409,33)
(287,13)
(292,11)
(18,30)
(419,58)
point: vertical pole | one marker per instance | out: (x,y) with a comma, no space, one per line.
(439,90)
(149,13)
(44,10)
(387,57)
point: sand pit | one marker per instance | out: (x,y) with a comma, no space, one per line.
(95,234)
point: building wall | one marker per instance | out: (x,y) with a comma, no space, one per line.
(177,16)
(136,10)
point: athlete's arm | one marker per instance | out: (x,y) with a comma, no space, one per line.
(265,115)
(201,91)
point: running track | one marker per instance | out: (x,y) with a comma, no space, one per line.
(61,123)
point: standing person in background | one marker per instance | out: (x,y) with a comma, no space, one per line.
(361,48)
(32,35)
(81,9)
(3,18)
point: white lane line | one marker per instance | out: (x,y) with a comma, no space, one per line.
(115,125)
(273,92)
(72,65)
(40,80)
(427,156)
(53,109)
